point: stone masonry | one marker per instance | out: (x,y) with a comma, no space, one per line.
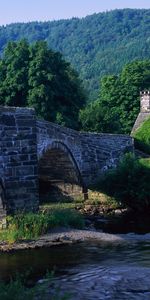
(18,159)
(32,149)
(91,153)
(144,110)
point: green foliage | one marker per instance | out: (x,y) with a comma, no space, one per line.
(118,104)
(31,225)
(14,74)
(129,183)
(142,137)
(67,218)
(97,118)
(33,75)
(15,290)
(59,205)
(97,45)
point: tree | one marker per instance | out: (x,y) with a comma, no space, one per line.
(134,78)
(118,103)
(14,74)
(35,76)
(97,118)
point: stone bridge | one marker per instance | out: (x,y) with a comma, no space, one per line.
(34,152)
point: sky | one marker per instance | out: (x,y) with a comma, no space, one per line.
(12,11)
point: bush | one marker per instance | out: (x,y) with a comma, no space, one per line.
(142,137)
(129,183)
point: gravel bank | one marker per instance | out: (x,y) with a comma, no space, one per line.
(61,236)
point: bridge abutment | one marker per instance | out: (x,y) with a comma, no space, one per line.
(18,157)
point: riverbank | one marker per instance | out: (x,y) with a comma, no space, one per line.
(63,236)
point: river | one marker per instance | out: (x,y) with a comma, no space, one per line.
(89,270)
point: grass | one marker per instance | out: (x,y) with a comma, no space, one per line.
(95,199)
(101,198)
(60,206)
(32,225)
(142,137)
(16,290)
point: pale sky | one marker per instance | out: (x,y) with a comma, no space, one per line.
(12,11)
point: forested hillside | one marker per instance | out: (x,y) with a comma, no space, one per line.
(96,45)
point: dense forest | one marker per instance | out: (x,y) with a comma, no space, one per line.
(98,45)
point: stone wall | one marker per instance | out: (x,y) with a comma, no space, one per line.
(144,110)
(90,153)
(142,117)
(18,157)
(31,149)
(101,152)
(2,206)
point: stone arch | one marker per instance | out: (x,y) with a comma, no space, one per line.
(59,174)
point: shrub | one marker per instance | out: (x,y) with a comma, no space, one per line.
(142,137)
(129,183)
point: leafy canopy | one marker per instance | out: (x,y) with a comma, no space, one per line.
(118,104)
(33,75)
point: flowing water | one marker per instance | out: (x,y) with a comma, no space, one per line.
(89,270)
